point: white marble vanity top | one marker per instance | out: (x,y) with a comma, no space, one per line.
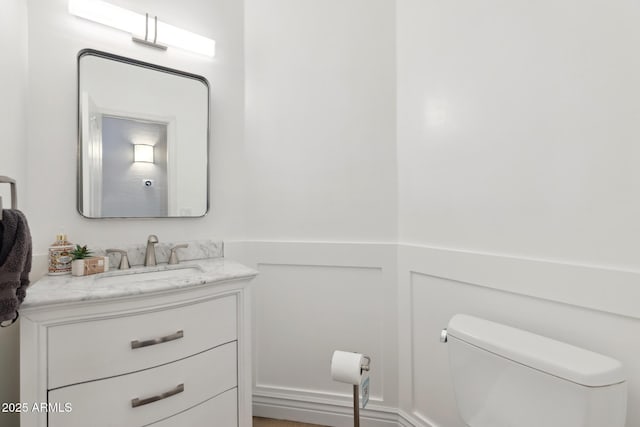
(135,281)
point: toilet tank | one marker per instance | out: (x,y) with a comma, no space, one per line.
(507,377)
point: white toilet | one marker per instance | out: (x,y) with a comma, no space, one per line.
(507,377)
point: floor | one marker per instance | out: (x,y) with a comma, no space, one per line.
(267,422)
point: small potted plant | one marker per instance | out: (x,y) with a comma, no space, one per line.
(79,254)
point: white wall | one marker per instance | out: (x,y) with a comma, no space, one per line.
(517,163)
(54,41)
(13,86)
(13,162)
(516,127)
(320,153)
(320,120)
(310,299)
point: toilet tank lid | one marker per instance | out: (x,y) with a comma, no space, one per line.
(544,354)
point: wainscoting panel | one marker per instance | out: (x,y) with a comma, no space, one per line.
(309,300)
(392,301)
(303,313)
(430,295)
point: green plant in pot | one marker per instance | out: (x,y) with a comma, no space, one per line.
(81,252)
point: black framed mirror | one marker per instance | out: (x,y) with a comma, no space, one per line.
(143,139)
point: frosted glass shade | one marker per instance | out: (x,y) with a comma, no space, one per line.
(143,153)
(134,23)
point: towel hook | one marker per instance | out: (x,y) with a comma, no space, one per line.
(14,196)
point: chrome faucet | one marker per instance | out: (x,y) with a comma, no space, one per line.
(173,258)
(150,256)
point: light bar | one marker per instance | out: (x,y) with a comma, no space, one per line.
(137,24)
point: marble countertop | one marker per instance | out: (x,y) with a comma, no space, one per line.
(136,281)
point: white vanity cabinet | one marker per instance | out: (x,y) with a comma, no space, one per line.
(178,356)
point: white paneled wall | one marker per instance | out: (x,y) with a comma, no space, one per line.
(516,169)
(309,300)
(327,307)
(435,284)
(518,180)
(320,153)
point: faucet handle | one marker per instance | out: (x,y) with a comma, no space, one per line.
(124,260)
(173,258)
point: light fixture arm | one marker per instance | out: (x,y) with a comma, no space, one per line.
(146,40)
(155,32)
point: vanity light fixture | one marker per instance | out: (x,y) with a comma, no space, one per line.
(157,34)
(143,153)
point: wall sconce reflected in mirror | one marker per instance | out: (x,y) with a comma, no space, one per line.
(143,153)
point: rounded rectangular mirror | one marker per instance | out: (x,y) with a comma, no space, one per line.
(143,133)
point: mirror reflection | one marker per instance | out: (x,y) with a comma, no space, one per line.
(143,139)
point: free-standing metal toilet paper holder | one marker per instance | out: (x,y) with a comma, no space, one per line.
(356,392)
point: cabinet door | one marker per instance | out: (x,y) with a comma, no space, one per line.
(221,411)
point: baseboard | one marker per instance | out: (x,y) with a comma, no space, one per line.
(326,414)
(406,420)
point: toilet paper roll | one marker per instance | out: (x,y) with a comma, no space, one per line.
(346,367)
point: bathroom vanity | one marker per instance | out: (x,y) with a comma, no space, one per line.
(163,346)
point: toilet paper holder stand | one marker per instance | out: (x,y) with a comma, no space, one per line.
(364,366)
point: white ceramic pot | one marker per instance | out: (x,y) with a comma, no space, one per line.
(77,267)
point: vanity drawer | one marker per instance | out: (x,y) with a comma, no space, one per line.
(116,346)
(221,411)
(108,402)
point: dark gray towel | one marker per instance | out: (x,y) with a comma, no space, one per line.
(15,262)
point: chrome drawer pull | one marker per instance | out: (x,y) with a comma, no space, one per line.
(138,344)
(139,402)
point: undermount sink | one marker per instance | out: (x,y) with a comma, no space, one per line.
(146,274)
